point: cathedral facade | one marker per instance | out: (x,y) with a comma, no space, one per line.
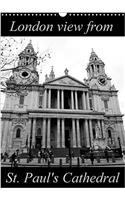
(62,112)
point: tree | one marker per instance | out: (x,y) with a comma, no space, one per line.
(9,50)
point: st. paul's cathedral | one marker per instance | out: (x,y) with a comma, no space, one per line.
(62,112)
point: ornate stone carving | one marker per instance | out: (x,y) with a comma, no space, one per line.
(112,87)
(39,123)
(99,143)
(68,81)
(98,132)
(11,80)
(86,81)
(94,86)
(19,121)
(12,93)
(105,97)
(17,91)
(109,123)
(32,78)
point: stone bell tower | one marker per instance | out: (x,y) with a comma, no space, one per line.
(97,77)
(95,66)
(25,73)
(21,95)
(103,98)
(28,57)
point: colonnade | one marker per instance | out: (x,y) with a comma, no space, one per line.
(60,99)
(75,136)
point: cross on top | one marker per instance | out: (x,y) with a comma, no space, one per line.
(30,42)
(66,71)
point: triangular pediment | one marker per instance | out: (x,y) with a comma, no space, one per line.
(66,81)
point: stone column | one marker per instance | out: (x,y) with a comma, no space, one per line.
(114,105)
(49,99)
(91,72)
(2,129)
(95,102)
(94,67)
(78,133)
(87,101)
(76,99)
(11,136)
(58,133)
(72,100)
(44,134)
(117,103)
(103,131)
(34,132)
(5,131)
(29,132)
(45,98)
(58,99)
(100,69)
(99,125)
(87,133)
(121,134)
(74,132)
(91,134)
(83,101)
(63,134)
(48,134)
(62,99)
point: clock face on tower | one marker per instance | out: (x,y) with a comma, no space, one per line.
(102,80)
(25,74)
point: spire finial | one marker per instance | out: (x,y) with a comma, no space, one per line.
(52,75)
(46,78)
(66,71)
(93,55)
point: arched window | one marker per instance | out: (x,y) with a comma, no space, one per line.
(92,67)
(110,136)
(98,68)
(106,104)
(18,133)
